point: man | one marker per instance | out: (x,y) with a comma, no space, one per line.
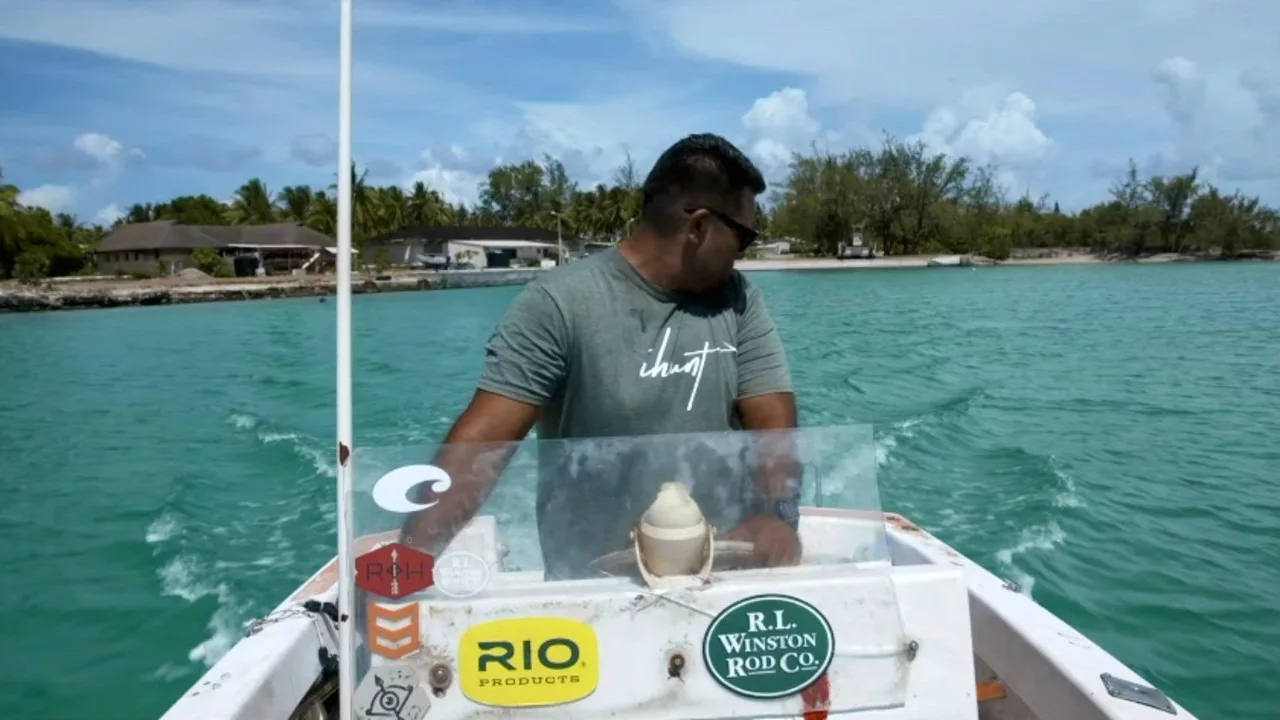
(658,335)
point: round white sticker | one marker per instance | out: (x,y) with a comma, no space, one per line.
(461,574)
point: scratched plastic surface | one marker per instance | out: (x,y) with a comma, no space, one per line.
(531,608)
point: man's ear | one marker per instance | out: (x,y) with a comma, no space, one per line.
(698,227)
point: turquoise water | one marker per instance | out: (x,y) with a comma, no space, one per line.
(1106,436)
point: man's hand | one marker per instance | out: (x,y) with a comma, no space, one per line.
(774,542)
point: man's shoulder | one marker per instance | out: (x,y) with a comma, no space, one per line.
(584,276)
(741,291)
(742,284)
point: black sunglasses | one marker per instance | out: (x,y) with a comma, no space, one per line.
(746,234)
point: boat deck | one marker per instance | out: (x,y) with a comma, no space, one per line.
(1028,664)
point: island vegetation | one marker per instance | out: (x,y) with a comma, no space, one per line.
(899,197)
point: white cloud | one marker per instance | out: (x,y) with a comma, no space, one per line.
(103,148)
(1227,125)
(455,186)
(777,126)
(1184,88)
(453,172)
(1002,133)
(1093,68)
(97,153)
(229,84)
(108,151)
(592,139)
(200,35)
(108,215)
(477,22)
(1079,58)
(285,39)
(54,198)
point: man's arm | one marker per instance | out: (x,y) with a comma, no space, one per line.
(765,399)
(525,362)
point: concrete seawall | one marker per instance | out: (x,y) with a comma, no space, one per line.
(167,291)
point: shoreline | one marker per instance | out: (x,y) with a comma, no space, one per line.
(923,261)
(93,293)
(100,293)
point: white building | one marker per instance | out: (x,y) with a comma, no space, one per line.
(469,247)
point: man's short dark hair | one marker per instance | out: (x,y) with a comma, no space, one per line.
(703,170)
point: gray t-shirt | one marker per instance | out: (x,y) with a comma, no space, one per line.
(606,353)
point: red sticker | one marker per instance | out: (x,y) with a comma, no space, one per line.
(817,699)
(394,571)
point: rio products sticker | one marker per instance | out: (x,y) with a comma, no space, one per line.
(529,662)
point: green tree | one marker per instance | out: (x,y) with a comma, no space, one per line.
(208,261)
(295,202)
(251,204)
(899,196)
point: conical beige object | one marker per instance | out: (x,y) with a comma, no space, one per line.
(672,536)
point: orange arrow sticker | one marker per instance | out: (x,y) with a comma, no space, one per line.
(394,632)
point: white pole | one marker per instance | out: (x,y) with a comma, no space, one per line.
(346,531)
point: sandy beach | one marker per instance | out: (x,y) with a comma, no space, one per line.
(909,261)
(920,261)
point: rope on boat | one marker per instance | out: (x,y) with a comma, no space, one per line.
(309,610)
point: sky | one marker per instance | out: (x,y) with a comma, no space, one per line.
(104,103)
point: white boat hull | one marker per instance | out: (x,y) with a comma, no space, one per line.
(986,651)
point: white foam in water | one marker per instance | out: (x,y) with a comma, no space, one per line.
(180,577)
(1067,495)
(885,446)
(1025,582)
(1040,537)
(169,672)
(225,627)
(322,463)
(901,430)
(162,529)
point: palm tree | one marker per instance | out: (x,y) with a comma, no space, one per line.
(295,201)
(251,204)
(426,207)
(391,209)
(363,209)
(323,216)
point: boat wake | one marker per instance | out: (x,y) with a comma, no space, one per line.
(306,450)
(180,578)
(1037,538)
(231,572)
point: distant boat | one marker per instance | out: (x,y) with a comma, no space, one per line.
(969,261)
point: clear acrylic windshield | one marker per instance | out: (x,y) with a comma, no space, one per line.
(590,577)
